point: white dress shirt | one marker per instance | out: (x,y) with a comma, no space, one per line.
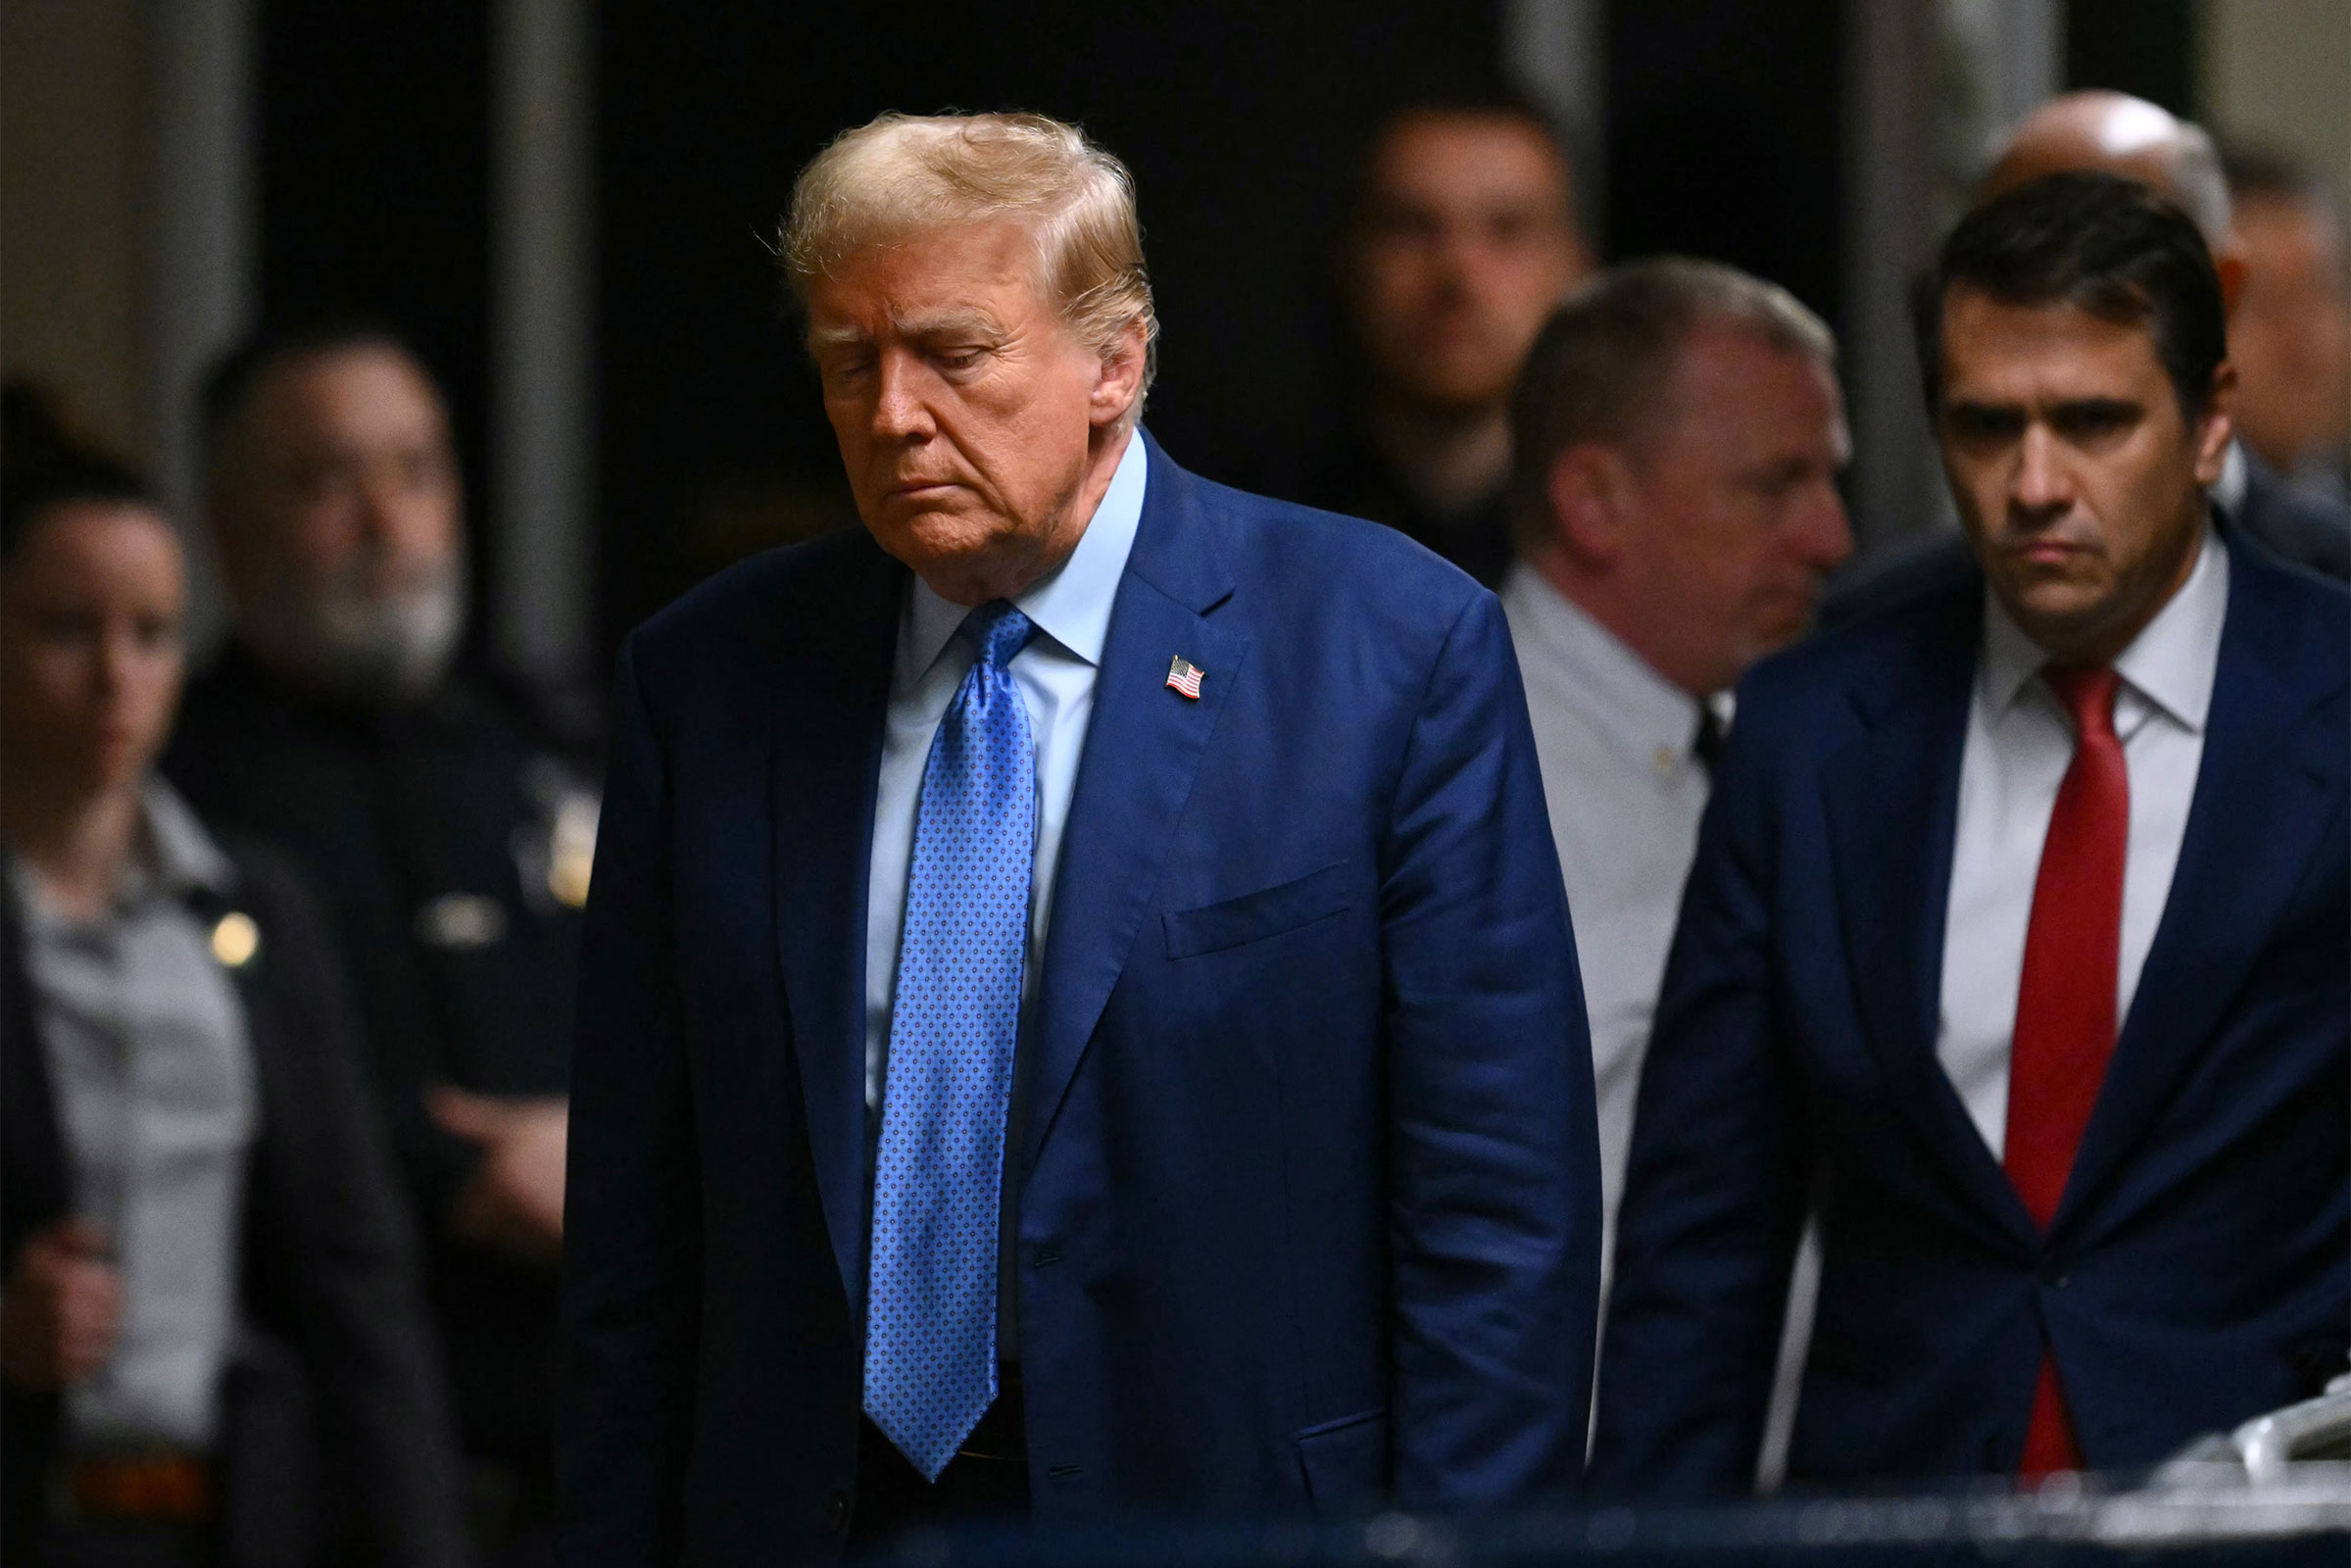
(2020,742)
(1625,794)
(1055,674)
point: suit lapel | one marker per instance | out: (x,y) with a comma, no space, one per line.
(1891,800)
(831,701)
(2265,790)
(1142,751)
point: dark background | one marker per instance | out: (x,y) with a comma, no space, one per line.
(1240,118)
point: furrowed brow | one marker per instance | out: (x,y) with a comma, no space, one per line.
(950,323)
(1983,415)
(821,338)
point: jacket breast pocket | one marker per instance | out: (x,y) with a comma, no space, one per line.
(1254,917)
(1346,1462)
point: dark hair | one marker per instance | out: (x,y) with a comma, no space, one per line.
(1475,99)
(1602,367)
(43,465)
(229,386)
(2103,244)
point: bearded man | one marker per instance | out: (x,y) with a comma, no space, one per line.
(442,826)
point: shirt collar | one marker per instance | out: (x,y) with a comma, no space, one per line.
(1647,716)
(2171,663)
(180,854)
(1071,604)
(175,856)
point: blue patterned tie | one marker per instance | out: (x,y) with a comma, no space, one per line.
(930,1327)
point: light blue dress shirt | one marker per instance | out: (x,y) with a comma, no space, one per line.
(158,1105)
(1055,674)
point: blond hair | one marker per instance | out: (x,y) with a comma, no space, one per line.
(899,175)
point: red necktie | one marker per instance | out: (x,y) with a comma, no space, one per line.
(2065,1009)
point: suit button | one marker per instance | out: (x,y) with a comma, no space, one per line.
(2053,1274)
(836,1513)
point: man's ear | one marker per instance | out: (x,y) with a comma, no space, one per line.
(1587,492)
(2217,427)
(1120,380)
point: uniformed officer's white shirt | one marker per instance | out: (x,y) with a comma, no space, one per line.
(1625,794)
(2020,742)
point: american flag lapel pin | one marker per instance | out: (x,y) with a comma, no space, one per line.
(1183,675)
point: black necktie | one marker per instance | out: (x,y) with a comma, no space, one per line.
(1707,745)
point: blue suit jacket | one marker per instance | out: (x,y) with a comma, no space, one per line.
(2198,1268)
(1309,1213)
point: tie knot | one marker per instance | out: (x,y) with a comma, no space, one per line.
(999,630)
(2088,693)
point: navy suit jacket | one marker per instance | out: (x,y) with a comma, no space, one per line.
(2198,1268)
(1309,1206)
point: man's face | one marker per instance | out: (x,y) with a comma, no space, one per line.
(337,511)
(1464,242)
(2078,480)
(2291,333)
(1732,510)
(967,413)
(340,477)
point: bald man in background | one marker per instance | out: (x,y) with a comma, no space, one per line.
(2114,133)
(2128,136)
